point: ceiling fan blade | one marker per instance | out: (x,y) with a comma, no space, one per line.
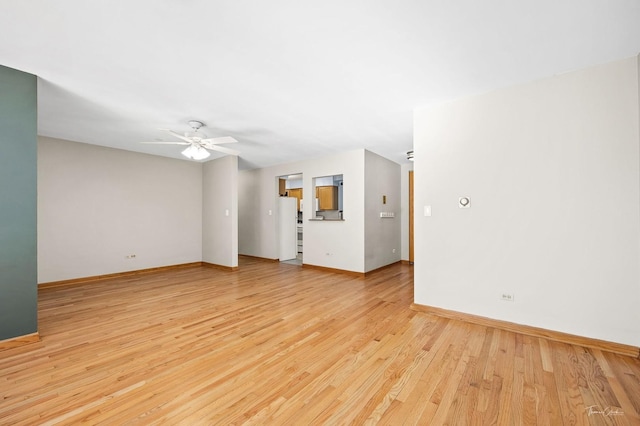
(177,135)
(223,149)
(168,143)
(217,141)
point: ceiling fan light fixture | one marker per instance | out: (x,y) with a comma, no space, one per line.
(195,152)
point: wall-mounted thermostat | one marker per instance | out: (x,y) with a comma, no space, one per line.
(464,202)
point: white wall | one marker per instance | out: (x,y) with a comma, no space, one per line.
(382,235)
(552,170)
(337,245)
(404,209)
(220,211)
(97,205)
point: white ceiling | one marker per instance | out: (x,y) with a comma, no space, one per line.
(290,79)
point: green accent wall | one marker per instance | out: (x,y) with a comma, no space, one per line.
(18,209)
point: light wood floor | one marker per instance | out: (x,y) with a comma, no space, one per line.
(280,344)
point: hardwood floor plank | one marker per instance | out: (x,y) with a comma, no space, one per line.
(279,344)
(505,371)
(486,379)
(566,374)
(435,386)
(626,404)
(463,407)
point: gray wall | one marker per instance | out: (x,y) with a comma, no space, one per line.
(382,235)
(18,259)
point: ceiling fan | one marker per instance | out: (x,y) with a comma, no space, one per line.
(198,143)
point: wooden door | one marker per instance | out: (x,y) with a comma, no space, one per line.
(411,217)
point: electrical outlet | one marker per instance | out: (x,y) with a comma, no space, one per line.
(393,250)
(507,297)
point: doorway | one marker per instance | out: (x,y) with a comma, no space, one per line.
(290,225)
